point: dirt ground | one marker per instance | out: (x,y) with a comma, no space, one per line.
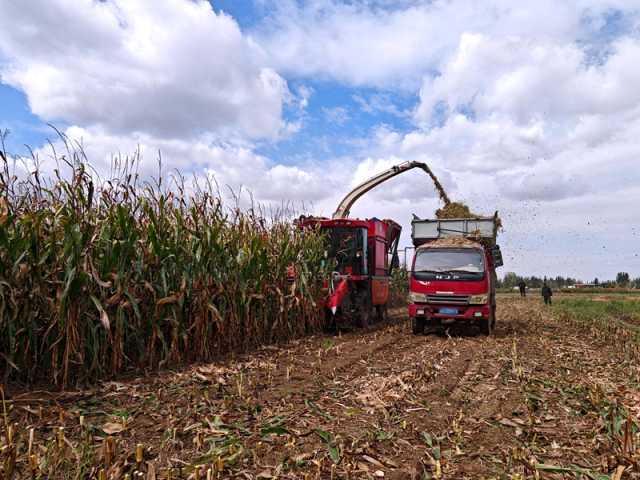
(541,398)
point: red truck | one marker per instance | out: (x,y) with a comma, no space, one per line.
(453,273)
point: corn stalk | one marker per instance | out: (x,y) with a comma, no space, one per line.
(98,276)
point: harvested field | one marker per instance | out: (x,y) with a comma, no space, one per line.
(551,395)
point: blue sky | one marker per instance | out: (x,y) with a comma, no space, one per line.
(529,108)
(25,128)
(335,122)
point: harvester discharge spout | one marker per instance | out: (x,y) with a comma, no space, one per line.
(347,202)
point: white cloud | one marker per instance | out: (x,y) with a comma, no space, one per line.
(303,94)
(173,69)
(233,167)
(535,128)
(336,115)
(394,44)
(547,124)
(379,102)
(461,144)
(528,80)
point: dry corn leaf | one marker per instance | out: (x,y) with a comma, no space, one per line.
(508,423)
(372,461)
(111,428)
(104,317)
(4,210)
(301,457)
(151,472)
(169,300)
(618,473)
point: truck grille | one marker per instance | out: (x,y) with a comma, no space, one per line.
(448,299)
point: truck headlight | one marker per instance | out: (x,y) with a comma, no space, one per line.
(478,299)
(415,297)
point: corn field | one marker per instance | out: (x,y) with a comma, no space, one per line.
(103,275)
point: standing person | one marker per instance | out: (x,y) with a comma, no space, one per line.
(547,293)
(523,288)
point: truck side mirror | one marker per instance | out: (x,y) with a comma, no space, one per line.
(496,254)
(395,261)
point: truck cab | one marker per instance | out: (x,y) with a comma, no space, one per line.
(453,276)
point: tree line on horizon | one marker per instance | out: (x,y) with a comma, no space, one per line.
(512,279)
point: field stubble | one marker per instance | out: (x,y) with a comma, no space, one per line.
(548,396)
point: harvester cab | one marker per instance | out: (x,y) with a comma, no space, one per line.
(347,247)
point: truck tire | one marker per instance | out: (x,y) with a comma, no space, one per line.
(417,325)
(486,326)
(493,310)
(381,313)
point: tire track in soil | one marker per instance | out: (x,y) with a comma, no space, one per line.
(384,353)
(530,340)
(448,360)
(466,382)
(487,395)
(445,401)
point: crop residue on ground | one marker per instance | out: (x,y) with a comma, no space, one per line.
(545,397)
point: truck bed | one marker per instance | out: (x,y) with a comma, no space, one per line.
(482,229)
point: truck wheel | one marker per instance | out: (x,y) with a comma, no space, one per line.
(486,326)
(417,324)
(381,311)
(493,311)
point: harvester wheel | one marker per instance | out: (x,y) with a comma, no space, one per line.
(364,317)
(330,323)
(417,324)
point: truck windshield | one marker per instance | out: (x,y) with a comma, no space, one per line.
(449,263)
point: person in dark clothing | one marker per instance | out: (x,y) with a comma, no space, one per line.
(523,288)
(547,293)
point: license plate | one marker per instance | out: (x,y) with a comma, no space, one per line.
(449,311)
